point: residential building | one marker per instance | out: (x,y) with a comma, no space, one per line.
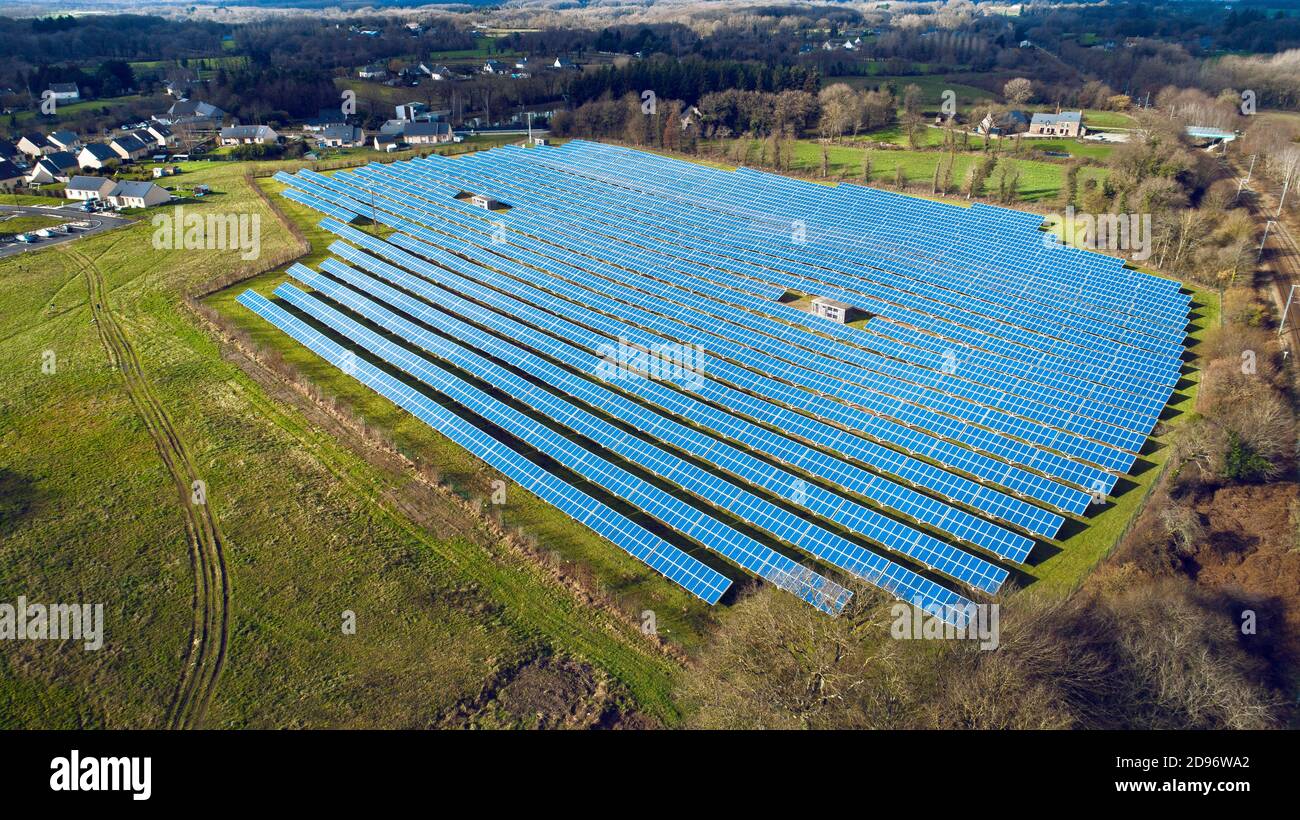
(341,136)
(162,135)
(1004,124)
(65,140)
(137,195)
(56,167)
(192,112)
(427,133)
(411,111)
(373,72)
(1063,124)
(10,176)
(97,155)
(386,143)
(64,92)
(87,187)
(249,134)
(35,145)
(130,147)
(325,118)
(562,62)
(493,67)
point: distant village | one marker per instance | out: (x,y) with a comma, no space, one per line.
(82,168)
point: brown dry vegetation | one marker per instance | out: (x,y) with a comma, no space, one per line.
(1155,655)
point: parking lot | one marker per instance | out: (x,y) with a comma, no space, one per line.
(96,222)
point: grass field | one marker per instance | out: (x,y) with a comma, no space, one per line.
(66,111)
(932,87)
(28,199)
(23,224)
(310,529)
(932,137)
(1040,181)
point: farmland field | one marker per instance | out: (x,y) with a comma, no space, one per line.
(1040,181)
(310,528)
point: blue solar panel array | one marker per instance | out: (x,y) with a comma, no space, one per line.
(1001,383)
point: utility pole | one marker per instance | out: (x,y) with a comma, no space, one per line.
(1281,327)
(1286,185)
(1267,225)
(1250,170)
(530,127)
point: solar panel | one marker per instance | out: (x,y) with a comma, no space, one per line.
(700,580)
(999,378)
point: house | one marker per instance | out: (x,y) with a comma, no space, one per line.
(9,151)
(64,92)
(65,140)
(426,133)
(57,167)
(411,111)
(249,134)
(137,195)
(86,187)
(562,62)
(831,309)
(324,119)
(386,143)
(493,67)
(192,112)
(162,135)
(438,72)
(35,145)
(341,136)
(393,128)
(130,147)
(97,155)
(1003,124)
(1063,124)
(373,72)
(521,64)
(10,176)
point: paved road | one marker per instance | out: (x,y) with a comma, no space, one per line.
(99,222)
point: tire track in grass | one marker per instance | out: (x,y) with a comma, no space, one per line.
(205,654)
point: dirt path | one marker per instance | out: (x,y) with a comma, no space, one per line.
(209,634)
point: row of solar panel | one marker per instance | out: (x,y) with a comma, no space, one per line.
(1006,308)
(755,184)
(938,378)
(929,551)
(978,370)
(894,388)
(1071,500)
(923,509)
(1135,374)
(936,221)
(701,580)
(811,249)
(1080,500)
